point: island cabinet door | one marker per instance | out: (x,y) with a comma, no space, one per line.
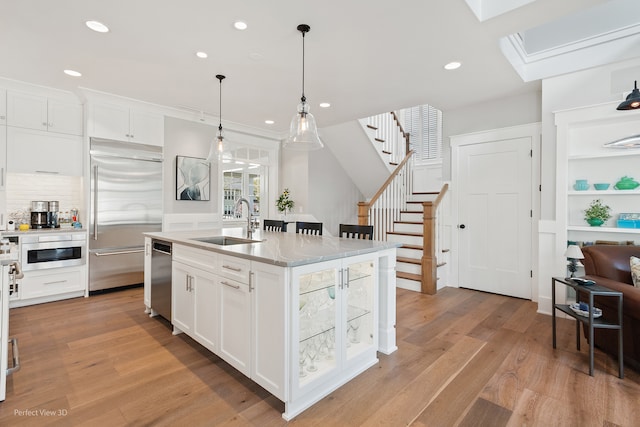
(182,298)
(270,330)
(235,324)
(206,323)
(315,327)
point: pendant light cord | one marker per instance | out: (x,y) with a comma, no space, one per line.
(303,97)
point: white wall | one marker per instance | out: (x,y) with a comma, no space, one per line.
(500,113)
(333,196)
(191,139)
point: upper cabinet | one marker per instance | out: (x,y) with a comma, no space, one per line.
(123,123)
(41,113)
(3,106)
(44,153)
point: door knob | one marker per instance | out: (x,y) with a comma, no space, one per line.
(462,226)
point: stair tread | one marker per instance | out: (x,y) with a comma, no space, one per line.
(372,127)
(386,152)
(408,222)
(405,233)
(409,276)
(408,260)
(427,192)
(379,139)
(416,247)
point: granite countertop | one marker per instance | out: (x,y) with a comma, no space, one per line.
(283,249)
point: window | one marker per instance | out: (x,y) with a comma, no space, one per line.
(424,124)
(241,183)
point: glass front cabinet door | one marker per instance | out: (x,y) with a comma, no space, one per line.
(335,324)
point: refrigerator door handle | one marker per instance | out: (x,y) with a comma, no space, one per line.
(132,251)
(95,202)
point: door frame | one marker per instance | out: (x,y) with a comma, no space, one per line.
(534,134)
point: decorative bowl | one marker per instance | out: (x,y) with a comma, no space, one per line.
(581,185)
(601,186)
(575,307)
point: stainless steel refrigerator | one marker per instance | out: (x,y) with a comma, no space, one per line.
(126,201)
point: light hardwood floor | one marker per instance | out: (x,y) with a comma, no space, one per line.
(465,358)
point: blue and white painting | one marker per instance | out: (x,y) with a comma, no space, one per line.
(192,178)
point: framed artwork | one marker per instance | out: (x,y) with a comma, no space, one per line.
(192,178)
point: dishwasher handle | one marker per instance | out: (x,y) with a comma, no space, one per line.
(162,247)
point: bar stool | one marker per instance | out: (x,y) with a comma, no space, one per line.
(274,225)
(352,231)
(314,228)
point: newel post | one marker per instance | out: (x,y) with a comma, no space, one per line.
(363,213)
(429,262)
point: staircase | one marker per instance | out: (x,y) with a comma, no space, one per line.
(409,231)
(399,214)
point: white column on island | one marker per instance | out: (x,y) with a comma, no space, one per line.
(387,302)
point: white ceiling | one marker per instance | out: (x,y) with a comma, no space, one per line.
(362,56)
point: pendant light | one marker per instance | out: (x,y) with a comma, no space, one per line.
(217,147)
(303,134)
(633,99)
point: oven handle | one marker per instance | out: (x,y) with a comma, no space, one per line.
(95,202)
(15,356)
(132,251)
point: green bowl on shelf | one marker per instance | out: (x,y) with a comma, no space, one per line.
(601,186)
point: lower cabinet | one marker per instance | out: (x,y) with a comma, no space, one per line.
(41,286)
(235,324)
(194,304)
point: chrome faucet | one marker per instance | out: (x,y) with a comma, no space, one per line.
(249,214)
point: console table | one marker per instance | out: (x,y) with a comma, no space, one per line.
(591,322)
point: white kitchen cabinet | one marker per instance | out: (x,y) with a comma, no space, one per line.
(41,113)
(147,275)
(122,123)
(3,106)
(235,324)
(269,332)
(335,330)
(49,285)
(41,152)
(182,298)
(194,301)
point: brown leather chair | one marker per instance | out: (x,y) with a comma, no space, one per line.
(610,267)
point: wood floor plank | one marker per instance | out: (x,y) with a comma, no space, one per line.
(485,413)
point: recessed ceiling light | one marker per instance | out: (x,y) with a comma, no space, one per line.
(452,65)
(97,26)
(72,73)
(201,55)
(269,122)
(325,105)
(240,25)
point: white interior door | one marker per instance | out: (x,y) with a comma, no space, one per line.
(494,217)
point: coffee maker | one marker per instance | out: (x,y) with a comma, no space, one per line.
(39,214)
(52,214)
(44,214)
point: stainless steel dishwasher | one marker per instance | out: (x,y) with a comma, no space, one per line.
(161,278)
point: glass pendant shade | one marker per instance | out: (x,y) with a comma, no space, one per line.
(633,99)
(303,134)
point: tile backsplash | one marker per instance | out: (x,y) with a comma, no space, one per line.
(23,188)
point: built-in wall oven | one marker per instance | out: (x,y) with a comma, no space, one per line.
(40,251)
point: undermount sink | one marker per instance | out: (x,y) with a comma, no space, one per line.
(225,240)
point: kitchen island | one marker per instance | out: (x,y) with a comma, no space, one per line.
(300,315)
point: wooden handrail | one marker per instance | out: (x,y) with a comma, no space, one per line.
(407,136)
(390,179)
